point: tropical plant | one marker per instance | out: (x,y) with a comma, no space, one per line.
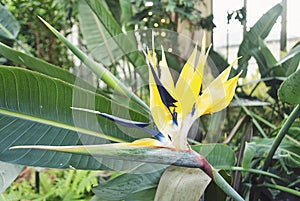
(51,118)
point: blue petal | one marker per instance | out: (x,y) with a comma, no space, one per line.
(126,123)
(165,96)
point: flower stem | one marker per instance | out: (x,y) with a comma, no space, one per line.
(222,183)
(217,178)
(295,114)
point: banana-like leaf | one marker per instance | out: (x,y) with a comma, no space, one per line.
(98,69)
(126,14)
(35,109)
(126,44)
(42,66)
(264,59)
(51,70)
(9,26)
(96,36)
(261,29)
(290,61)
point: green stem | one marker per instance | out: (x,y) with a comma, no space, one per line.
(204,165)
(295,114)
(256,171)
(259,128)
(282,188)
(222,183)
(99,70)
(267,123)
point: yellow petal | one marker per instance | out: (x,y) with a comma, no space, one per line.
(165,75)
(225,74)
(147,142)
(192,80)
(185,75)
(183,89)
(160,114)
(216,96)
(196,79)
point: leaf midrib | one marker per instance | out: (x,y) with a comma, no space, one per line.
(58,124)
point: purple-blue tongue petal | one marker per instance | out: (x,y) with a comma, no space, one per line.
(125,122)
(165,96)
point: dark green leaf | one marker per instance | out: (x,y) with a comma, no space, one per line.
(218,155)
(261,29)
(290,88)
(115,9)
(126,14)
(42,67)
(126,44)
(98,41)
(35,109)
(264,59)
(291,64)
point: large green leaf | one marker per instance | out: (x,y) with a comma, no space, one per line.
(261,29)
(43,67)
(9,26)
(115,9)
(290,88)
(126,8)
(264,59)
(126,44)
(96,36)
(248,155)
(51,70)
(35,109)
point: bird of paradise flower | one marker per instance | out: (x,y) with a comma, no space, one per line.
(174,108)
